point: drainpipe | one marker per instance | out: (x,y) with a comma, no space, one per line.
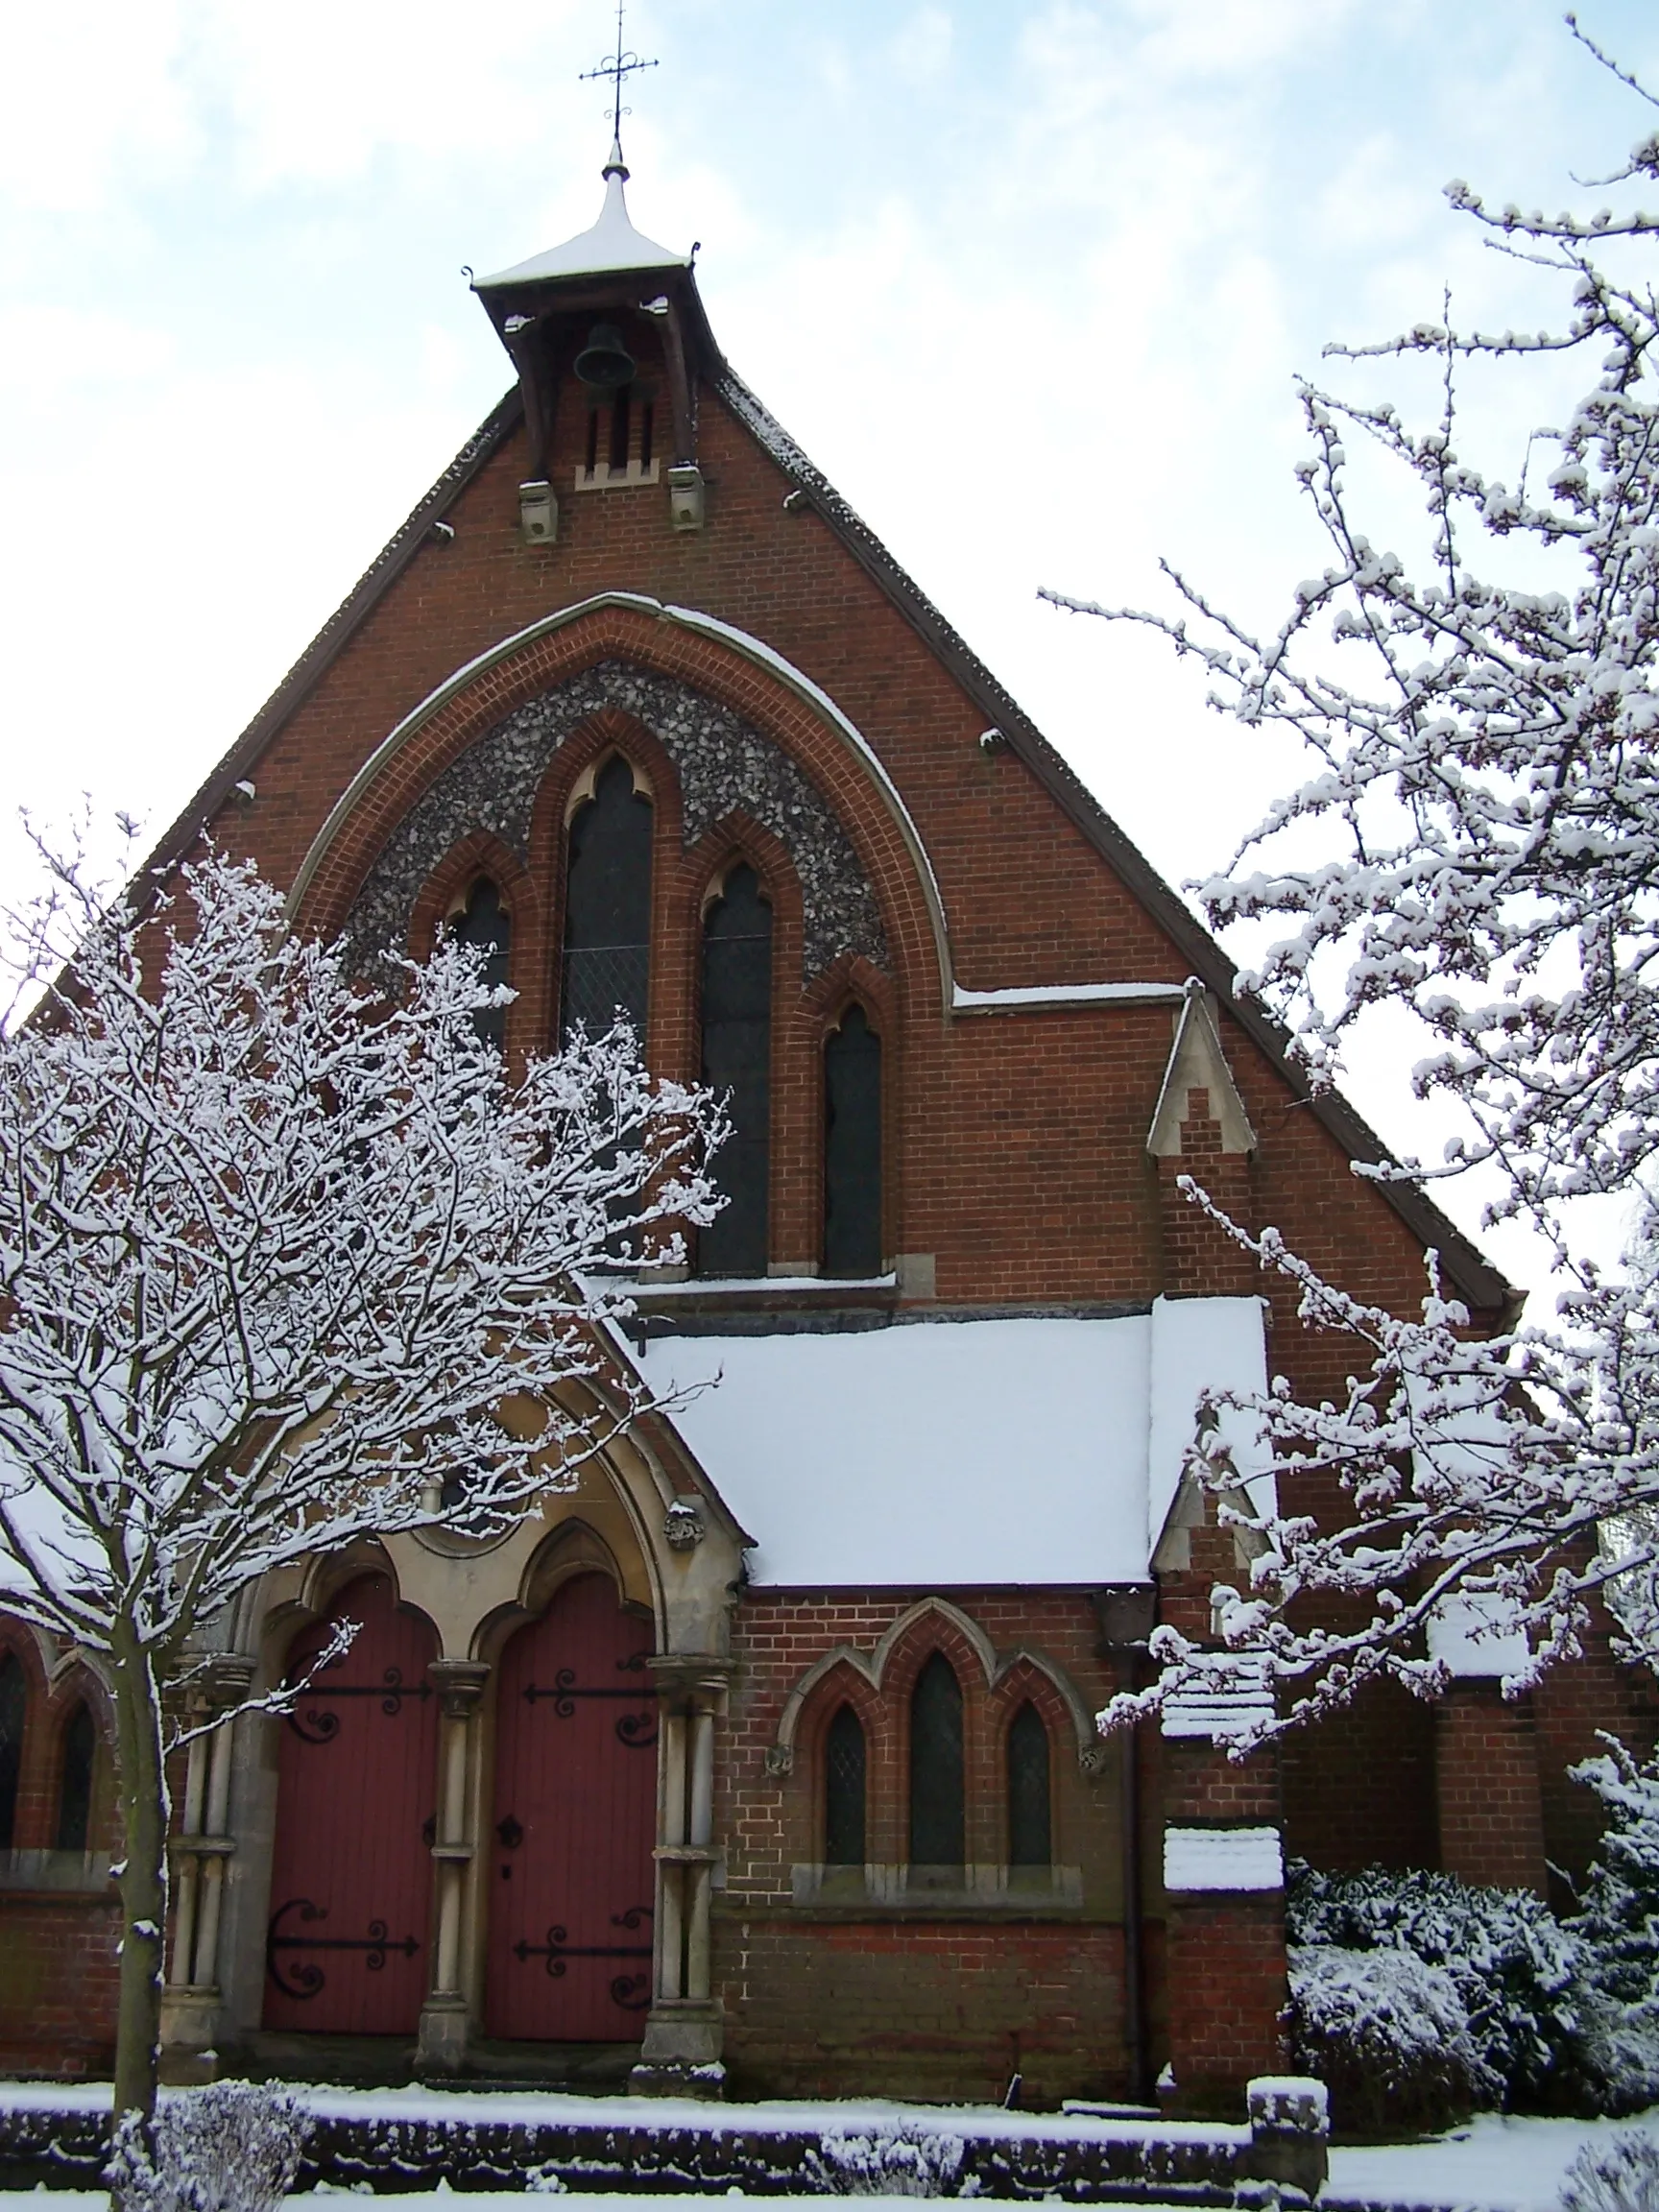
(1126,1614)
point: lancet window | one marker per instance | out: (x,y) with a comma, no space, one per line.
(845,1773)
(1029,1831)
(75,1782)
(853,1147)
(936,1780)
(607,964)
(13,1712)
(737,1063)
(486,923)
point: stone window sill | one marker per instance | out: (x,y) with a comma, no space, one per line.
(883,1891)
(55,1873)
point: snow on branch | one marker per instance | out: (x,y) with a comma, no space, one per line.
(281,1259)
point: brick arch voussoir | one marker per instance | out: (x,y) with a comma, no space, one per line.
(684,656)
(480,853)
(843,1684)
(19,1641)
(736,838)
(930,1630)
(851,980)
(610,731)
(1026,1681)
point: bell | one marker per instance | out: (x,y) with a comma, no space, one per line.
(605,360)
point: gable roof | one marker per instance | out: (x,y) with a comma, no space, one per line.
(1481,1283)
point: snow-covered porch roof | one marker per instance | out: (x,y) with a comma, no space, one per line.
(951,1453)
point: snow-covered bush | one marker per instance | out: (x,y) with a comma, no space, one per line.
(1618,2177)
(1618,1926)
(234,2146)
(1387,2035)
(887,2161)
(1519,1974)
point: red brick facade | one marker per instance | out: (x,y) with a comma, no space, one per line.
(1017,1166)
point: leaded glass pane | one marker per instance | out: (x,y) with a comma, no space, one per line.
(853,1147)
(75,1784)
(936,1796)
(844,1787)
(14,1700)
(1029,1842)
(607,965)
(737,1063)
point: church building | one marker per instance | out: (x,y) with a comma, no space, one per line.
(765,1761)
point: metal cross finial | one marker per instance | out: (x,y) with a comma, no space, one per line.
(618,66)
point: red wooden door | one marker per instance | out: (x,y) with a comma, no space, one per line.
(570,1863)
(351,1868)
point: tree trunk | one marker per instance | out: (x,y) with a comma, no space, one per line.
(145,1819)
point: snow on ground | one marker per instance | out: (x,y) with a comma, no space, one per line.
(1496,2164)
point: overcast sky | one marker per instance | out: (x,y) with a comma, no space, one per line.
(1031,282)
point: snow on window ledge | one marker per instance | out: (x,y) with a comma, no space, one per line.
(1223,1859)
(1216,1715)
(1040,995)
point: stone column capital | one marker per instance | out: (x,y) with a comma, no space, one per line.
(222,1681)
(696,1679)
(460,1684)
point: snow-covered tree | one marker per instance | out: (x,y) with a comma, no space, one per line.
(1485,802)
(1618,1924)
(281,1259)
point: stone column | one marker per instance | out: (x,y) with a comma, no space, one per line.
(191,1997)
(685,2033)
(446,2017)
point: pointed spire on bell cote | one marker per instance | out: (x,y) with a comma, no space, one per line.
(613,243)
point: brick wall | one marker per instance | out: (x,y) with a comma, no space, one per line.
(1226,1987)
(916,2000)
(1491,1809)
(58,1971)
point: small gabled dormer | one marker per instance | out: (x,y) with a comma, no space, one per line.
(608,325)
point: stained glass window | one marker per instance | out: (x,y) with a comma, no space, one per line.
(1029,1842)
(737,1063)
(606,962)
(844,1786)
(853,1147)
(936,1796)
(75,1782)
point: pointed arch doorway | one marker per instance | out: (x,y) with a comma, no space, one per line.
(575,1815)
(347,1944)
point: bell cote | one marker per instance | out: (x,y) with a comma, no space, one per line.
(608,327)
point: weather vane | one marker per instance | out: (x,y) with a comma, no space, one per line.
(618,66)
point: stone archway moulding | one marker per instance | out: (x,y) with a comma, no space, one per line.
(740,642)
